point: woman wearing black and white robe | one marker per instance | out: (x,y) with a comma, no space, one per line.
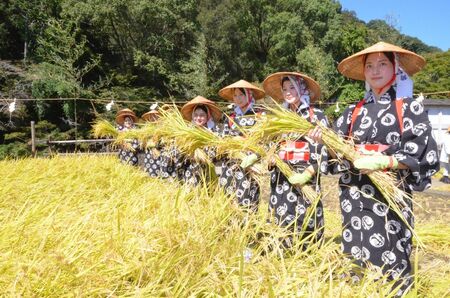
(234,177)
(393,132)
(203,113)
(125,120)
(308,159)
(152,152)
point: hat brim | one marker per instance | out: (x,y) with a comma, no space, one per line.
(228,91)
(272,85)
(120,119)
(353,67)
(188,109)
(149,115)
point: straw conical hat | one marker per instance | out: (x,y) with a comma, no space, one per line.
(353,66)
(189,107)
(122,114)
(228,91)
(272,85)
(149,116)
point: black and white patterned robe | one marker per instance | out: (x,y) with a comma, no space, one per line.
(287,203)
(128,156)
(169,161)
(233,178)
(152,160)
(371,231)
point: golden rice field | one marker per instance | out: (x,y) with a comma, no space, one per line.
(89,226)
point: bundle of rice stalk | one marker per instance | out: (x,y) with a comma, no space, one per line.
(187,136)
(103,128)
(145,135)
(285,121)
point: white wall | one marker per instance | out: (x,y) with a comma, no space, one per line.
(440,121)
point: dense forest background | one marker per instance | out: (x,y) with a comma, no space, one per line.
(141,51)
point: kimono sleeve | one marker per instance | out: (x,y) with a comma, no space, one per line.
(417,149)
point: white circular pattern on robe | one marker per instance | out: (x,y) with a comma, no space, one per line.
(402,266)
(346,178)
(366,122)
(377,240)
(411,148)
(273,199)
(380,209)
(354,192)
(419,129)
(374,132)
(356,222)
(311,223)
(346,206)
(229,172)
(416,107)
(223,181)
(393,227)
(319,211)
(300,209)
(356,252)
(187,173)
(253,192)
(407,233)
(230,189)
(365,254)
(401,244)
(368,190)
(289,218)
(273,178)
(154,167)
(291,197)
(246,202)
(407,124)
(430,173)
(388,257)
(286,185)
(431,157)
(359,132)
(245,184)
(239,175)
(279,189)
(323,166)
(393,137)
(281,210)
(367,222)
(388,120)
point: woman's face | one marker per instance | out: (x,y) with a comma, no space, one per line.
(378,70)
(240,98)
(290,94)
(199,117)
(128,122)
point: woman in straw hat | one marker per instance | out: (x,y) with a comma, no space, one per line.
(152,160)
(234,179)
(203,113)
(308,159)
(393,133)
(125,120)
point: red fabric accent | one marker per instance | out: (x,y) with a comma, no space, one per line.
(291,155)
(355,114)
(372,147)
(399,108)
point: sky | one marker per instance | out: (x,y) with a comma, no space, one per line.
(428,20)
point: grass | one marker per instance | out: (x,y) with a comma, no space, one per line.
(90,226)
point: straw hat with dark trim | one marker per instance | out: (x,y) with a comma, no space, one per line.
(272,85)
(149,116)
(228,91)
(122,114)
(189,107)
(353,66)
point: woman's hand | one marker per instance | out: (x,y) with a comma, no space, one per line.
(316,134)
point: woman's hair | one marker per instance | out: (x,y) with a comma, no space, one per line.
(284,79)
(242,90)
(389,55)
(203,108)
